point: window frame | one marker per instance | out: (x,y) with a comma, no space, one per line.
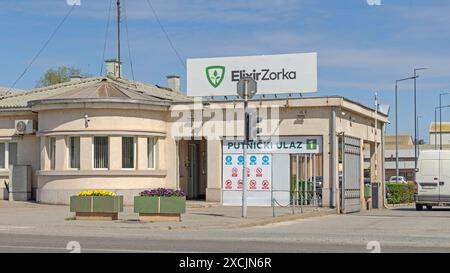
(5,155)
(93,153)
(52,153)
(134,152)
(68,141)
(9,152)
(155,141)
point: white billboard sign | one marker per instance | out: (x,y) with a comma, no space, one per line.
(285,73)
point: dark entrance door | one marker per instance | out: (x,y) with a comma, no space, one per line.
(194,170)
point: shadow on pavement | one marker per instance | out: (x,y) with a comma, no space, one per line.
(446,209)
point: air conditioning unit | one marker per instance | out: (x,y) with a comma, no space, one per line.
(24,127)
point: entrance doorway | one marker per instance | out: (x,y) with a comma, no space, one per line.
(193,168)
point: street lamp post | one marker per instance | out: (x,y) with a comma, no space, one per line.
(396,124)
(416,133)
(440,118)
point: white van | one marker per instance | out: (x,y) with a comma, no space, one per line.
(433,179)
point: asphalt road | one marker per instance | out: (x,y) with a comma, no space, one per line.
(395,230)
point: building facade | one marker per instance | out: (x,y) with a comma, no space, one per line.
(115,134)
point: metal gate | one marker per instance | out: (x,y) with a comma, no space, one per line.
(306,187)
(351,174)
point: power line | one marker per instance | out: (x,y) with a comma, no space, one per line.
(166,34)
(42,48)
(106,37)
(125,18)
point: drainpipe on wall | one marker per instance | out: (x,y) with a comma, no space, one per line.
(333,149)
(177,160)
(383,173)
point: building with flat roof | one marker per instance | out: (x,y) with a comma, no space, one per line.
(116,134)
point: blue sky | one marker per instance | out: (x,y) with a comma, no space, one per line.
(362,49)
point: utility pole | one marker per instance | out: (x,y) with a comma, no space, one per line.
(396,125)
(416,148)
(376,138)
(118,36)
(440,118)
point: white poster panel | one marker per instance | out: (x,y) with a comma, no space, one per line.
(259,172)
(285,73)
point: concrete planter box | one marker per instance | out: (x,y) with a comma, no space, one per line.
(96,207)
(159,208)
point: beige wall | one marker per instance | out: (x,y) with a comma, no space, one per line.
(102,120)
(113,123)
(116,120)
(27,145)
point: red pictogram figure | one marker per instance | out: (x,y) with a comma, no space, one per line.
(259,172)
(265,185)
(253,185)
(228,184)
(240,184)
(234,172)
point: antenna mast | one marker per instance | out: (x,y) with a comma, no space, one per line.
(118,36)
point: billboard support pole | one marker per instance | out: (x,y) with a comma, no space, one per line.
(246,88)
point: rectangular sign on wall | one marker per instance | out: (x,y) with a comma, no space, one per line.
(259,174)
(280,145)
(285,73)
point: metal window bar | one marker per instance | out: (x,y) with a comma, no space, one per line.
(101,160)
(74,152)
(127,152)
(304,191)
(12,153)
(2,155)
(52,152)
(151,152)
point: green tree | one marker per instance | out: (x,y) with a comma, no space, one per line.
(58,75)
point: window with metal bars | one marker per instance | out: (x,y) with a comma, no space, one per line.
(74,152)
(127,152)
(8,149)
(52,152)
(151,142)
(101,152)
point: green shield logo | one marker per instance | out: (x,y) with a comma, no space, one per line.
(215,75)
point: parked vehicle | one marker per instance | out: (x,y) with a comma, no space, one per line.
(401,179)
(433,179)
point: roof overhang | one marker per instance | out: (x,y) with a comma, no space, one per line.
(117,103)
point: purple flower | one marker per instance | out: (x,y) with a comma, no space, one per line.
(163,192)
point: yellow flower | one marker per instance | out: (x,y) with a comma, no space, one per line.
(96,193)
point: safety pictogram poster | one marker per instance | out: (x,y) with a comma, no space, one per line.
(259,172)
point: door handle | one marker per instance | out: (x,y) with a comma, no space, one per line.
(441,183)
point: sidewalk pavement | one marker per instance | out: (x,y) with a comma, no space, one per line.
(25,217)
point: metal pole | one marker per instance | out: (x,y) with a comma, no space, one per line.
(440,121)
(396,133)
(244,149)
(311,177)
(118,36)
(333,162)
(314,181)
(297,180)
(435,131)
(415,118)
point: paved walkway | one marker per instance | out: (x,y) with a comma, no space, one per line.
(24,216)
